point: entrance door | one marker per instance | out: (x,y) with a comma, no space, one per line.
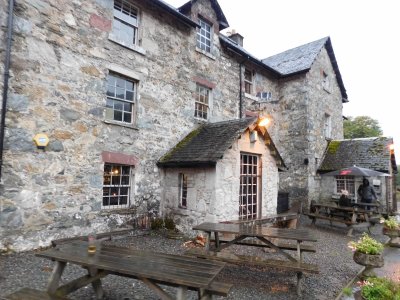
(248,194)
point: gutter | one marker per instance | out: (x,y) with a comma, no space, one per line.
(6,78)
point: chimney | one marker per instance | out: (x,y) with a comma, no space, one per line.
(237,38)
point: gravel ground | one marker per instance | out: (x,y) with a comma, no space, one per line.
(333,257)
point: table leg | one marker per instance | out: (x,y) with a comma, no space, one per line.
(182,293)
(98,289)
(216,236)
(55,277)
(207,245)
(204,295)
(299,279)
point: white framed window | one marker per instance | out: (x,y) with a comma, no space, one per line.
(327,126)
(183,185)
(202,102)
(204,36)
(248,81)
(121,98)
(249,185)
(116,186)
(125,23)
(345,183)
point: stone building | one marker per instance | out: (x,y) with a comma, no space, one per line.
(115,85)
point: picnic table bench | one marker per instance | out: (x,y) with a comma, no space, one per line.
(152,268)
(259,236)
(354,216)
(31,294)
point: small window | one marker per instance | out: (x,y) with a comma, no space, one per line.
(202,102)
(325,82)
(183,182)
(116,186)
(204,36)
(125,23)
(345,183)
(248,81)
(121,97)
(328,127)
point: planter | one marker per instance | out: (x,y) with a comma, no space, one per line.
(369,261)
(394,235)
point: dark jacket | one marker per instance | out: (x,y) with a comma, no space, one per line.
(366,192)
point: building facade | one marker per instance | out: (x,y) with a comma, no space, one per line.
(114,85)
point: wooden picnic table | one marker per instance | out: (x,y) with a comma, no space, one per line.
(152,268)
(260,236)
(353,216)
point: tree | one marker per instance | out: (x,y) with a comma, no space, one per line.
(361,127)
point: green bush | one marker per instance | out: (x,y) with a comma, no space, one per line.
(377,288)
(169,223)
(157,224)
(367,245)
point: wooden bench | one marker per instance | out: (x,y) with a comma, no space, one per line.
(298,267)
(353,217)
(31,294)
(257,243)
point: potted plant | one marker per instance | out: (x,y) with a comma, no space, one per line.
(379,288)
(368,253)
(391,228)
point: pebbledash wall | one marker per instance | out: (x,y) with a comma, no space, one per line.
(61,56)
(213,192)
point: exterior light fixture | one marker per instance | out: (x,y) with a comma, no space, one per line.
(264,121)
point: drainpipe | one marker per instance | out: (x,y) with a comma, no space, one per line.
(6,78)
(240,87)
(240,90)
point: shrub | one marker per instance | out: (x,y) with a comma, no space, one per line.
(390,222)
(169,223)
(377,288)
(157,224)
(367,245)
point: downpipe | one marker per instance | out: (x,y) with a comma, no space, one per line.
(6,79)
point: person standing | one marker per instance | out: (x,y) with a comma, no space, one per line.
(366,192)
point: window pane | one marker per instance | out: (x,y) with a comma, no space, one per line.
(120,93)
(118,105)
(127,117)
(117,115)
(129,95)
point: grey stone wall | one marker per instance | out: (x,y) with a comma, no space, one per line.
(60,59)
(297,126)
(213,193)
(62,53)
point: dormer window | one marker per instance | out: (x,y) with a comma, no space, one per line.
(248,81)
(125,23)
(204,36)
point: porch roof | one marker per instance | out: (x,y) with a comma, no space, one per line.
(371,153)
(207,144)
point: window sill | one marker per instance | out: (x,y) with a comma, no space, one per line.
(254,98)
(200,120)
(105,211)
(135,48)
(120,124)
(209,55)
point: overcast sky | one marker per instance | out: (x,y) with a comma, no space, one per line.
(365,37)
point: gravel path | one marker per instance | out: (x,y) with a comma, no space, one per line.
(333,256)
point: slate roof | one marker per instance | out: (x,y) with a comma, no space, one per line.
(370,153)
(207,144)
(231,44)
(175,12)
(300,59)
(223,22)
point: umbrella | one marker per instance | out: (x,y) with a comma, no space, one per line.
(356,171)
